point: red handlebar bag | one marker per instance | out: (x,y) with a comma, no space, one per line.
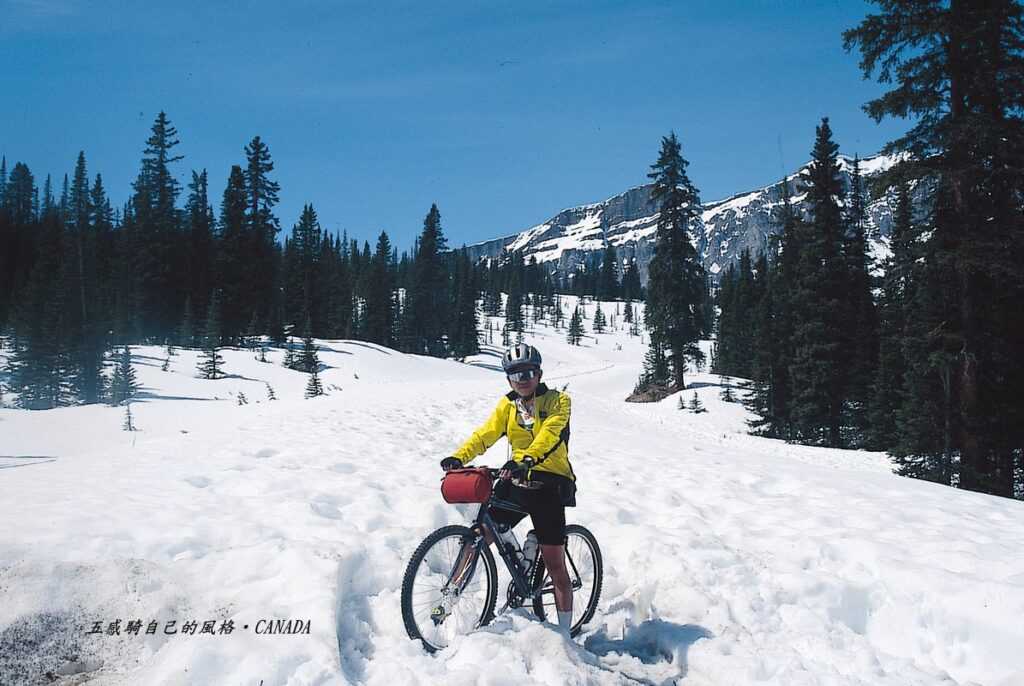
(471,485)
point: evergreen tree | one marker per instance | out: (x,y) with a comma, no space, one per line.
(186,330)
(599,321)
(129,423)
(575,333)
(157,255)
(210,358)
(514,319)
(261,224)
(676,276)
(631,289)
(289,355)
(201,247)
(428,299)
(887,390)
(608,281)
(237,269)
(39,363)
(860,334)
(770,396)
(465,334)
(313,387)
(123,385)
(379,317)
(818,371)
(956,68)
(302,263)
(726,392)
(308,361)
(696,406)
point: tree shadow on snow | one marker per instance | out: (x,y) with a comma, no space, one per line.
(652,641)
(705,384)
(369,346)
(143,396)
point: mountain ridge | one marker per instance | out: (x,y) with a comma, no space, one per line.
(628,221)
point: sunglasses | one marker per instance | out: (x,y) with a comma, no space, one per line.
(525,375)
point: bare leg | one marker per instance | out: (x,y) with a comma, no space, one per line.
(554,561)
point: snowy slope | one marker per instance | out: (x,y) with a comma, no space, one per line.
(729,559)
(628,221)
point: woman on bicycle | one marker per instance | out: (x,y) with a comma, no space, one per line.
(536,420)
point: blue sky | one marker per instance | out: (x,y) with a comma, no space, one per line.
(501,113)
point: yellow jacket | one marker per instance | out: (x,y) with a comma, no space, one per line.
(547,444)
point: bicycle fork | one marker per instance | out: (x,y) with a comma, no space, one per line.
(462,572)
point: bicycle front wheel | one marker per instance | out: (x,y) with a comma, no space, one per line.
(586,572)
(450,587)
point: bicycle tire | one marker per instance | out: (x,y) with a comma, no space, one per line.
(595,593)
(490,572)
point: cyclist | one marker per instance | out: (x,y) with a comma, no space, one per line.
(536,420)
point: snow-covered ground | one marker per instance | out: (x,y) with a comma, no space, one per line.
(729,559)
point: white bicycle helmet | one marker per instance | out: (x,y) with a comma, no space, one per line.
(520,356)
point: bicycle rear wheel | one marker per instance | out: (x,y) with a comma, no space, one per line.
(586,571)
(436,607)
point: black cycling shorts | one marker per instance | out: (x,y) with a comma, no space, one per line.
(545,506)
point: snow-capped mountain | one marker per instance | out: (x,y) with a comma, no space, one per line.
(727,227)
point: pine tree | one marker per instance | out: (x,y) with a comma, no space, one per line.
(557,313)
(696,406)
(726,393)
(956,69)
(186,330)
(575,333)
(210,358)
(128,424)
(308,361)
(465,334)
(428,300)
(599,320)
(860,334)
(379,317)
(313,386)
(38,365)
(676,277)
(262,227)
(236,263)
(888,388)
(302,264)
(608,281)
(270,392)
(289,355)
(201,247)
(819,378)
(123,385)
(157,258)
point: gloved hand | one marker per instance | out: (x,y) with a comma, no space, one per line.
(449,463)
(516,470)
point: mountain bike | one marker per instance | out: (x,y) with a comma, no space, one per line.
(450,585)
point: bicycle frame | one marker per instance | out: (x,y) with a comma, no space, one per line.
(463,572)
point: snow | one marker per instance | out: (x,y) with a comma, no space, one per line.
(729,559)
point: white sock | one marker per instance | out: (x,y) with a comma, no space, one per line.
(565,621)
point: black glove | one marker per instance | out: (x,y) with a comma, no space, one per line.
(451,463)
(518,469)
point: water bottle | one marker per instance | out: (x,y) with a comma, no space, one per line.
(530,547)
(511,544)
